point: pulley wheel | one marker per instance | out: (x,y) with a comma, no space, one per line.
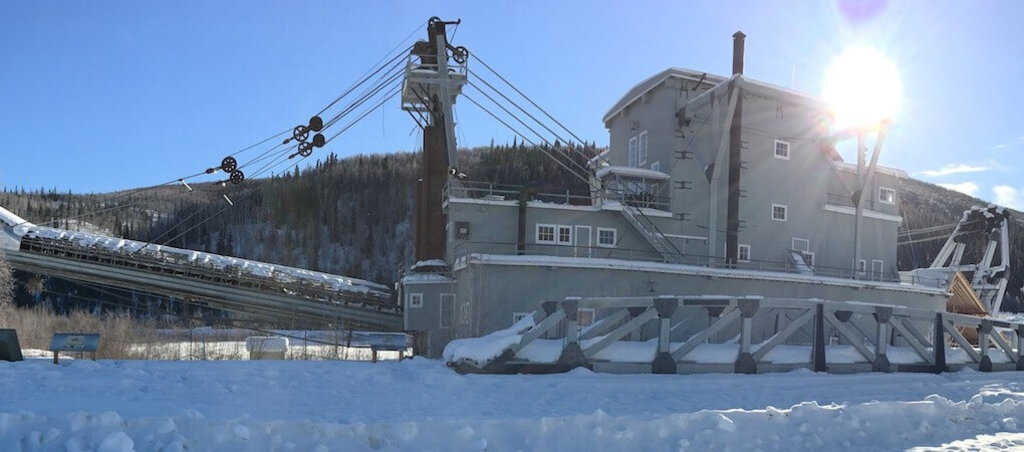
(316,124)
(228,164)
(300,133)
(237,177)
(460,54)
(306,149)
(319,140)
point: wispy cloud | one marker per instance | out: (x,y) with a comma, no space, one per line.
(955,168)
(967,188)
(1007,196)
(1012,142)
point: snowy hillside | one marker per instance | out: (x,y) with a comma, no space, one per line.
(421,405)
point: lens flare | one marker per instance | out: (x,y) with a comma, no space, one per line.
(862,86)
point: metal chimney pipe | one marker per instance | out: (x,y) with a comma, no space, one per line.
(737,52)
(732,223)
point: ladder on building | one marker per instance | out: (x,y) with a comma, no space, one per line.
(649,231)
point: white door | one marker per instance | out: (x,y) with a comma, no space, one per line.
(583,243)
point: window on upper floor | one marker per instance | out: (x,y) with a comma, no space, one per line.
(632,152)
(862,266)
(886,195)
(782,149)
(606,237)
(642,145)
(779,212)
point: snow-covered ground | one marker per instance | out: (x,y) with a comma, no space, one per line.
(421,405)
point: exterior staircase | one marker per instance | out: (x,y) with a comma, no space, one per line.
(649,231)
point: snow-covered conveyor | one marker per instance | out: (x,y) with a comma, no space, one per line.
(696,334)
(257,288)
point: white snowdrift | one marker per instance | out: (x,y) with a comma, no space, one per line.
(420,405)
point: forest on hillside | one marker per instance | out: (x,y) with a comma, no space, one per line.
(353,216)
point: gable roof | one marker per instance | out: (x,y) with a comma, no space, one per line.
(653,81)
(711,80)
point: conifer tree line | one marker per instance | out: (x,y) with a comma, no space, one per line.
(353,216)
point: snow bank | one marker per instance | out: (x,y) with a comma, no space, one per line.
(420,405)
(483,349)
(272,344)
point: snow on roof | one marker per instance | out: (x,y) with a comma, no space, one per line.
(279,272)
(852,168)
(426,278)
(429,263)
(605,263)
(649,83)
(655,80)
(10,219)
(629,171)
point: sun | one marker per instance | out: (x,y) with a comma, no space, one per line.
(862,87)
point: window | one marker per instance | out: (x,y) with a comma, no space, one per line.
(862,266)
(656,166)
(606,237)
(517,316)
(415,300)
(545,233)
(803,245)
(632,151)
(643,148)
(446,307)
(743,254)
(779,212)
(809,258)
(586,316)
(887,195)
(782,149)
(565,235)
(877,268)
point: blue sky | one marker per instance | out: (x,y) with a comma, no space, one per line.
(107,95)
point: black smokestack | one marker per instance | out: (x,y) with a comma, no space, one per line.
(737,52)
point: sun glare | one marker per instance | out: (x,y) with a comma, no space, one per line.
(862,86)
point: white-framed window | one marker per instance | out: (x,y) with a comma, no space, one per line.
(809,258)
(802,245)
(607,237)
(564,235)
(886,195)
(743,253)
(862,266)
(586,316)
(517,316)
(415,300)
(545,233)
(877,267)
(780,212)
(632,152)
(656,166)
(782,149)
(446,310)
(642,145)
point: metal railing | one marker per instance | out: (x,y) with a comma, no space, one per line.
(681,334)
(504,192)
